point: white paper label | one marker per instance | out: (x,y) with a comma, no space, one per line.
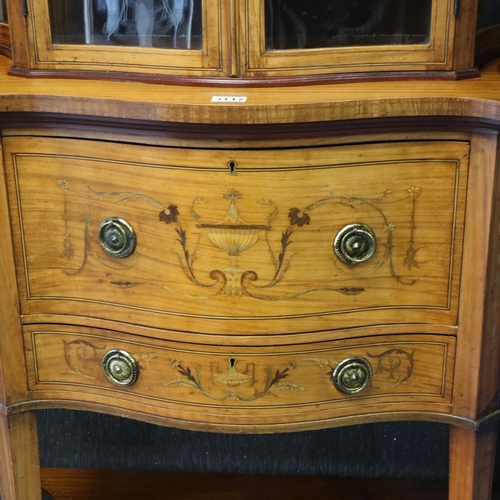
(227,98)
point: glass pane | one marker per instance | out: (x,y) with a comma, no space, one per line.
(172,24)
(295,24)
(3,11)
(488,13)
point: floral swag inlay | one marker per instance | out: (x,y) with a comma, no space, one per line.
(234,236)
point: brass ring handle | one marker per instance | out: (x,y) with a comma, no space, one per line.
(352,375)
(120,367)
(116,237)
(355,243)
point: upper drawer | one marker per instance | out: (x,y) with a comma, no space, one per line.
(244,249)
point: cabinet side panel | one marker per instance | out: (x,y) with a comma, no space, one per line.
(490,361)
(12,361)
(477,364)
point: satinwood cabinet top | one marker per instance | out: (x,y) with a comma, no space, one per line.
(268,42)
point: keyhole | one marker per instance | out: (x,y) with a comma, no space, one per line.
(231,165)
(232,363)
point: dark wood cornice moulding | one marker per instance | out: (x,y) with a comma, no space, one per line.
(285,81)
(251,131)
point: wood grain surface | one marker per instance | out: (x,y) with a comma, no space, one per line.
(62,277)
(472,459)
(19,471)
(251,389)
(244,254)
(78,484)
(477,98)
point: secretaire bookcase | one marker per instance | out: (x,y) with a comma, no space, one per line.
(250,217)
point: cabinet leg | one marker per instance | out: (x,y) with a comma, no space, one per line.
(19,460)
(472,459)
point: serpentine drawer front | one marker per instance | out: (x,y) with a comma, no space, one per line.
(246,385)
(239,241)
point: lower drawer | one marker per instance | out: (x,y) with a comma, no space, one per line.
(248,387)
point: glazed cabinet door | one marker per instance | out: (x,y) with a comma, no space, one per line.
(244,38)
(4,28)
(168,37)
(287,37)
(3,11)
